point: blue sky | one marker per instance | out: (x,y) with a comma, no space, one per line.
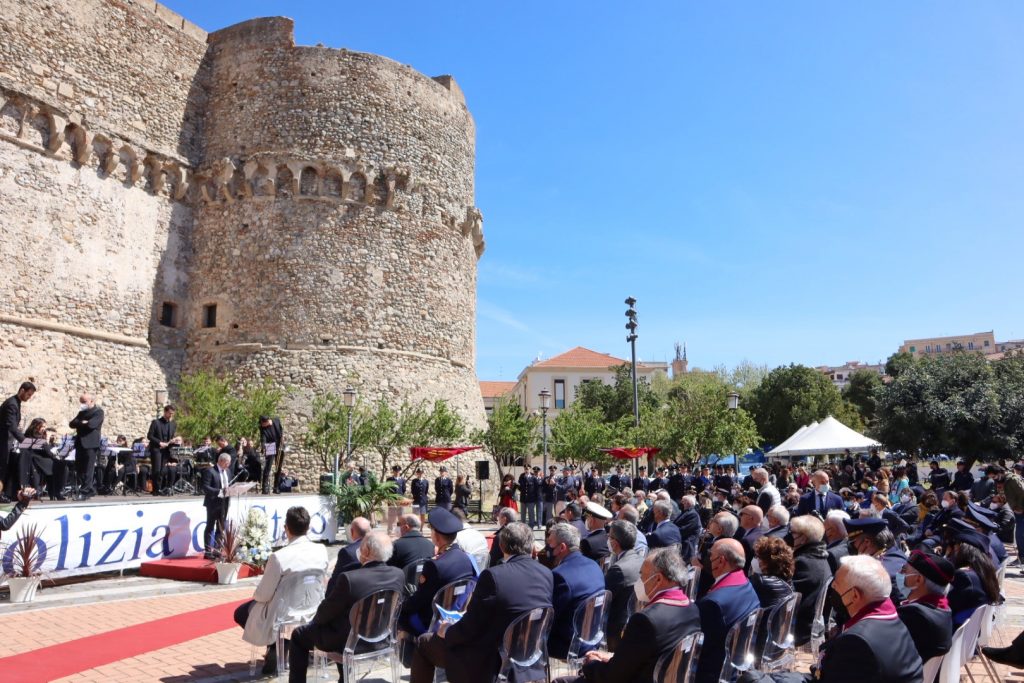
(781,182)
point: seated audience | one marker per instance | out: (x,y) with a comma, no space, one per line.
(777,519)
(729,600)
(468,649)
(811,572)
(505,517)
(472,541)
(835,538)
(628,513)
(926,612)
(330,627)
(664,532)
(975,582)
(594,544)
(452,563)
(411,546)
(665,616)
(689,525)
(576,578)
(874,646)
(258,615)
(348,557)
(771,572)
(622,574)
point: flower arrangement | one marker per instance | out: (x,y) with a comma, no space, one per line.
(254,544)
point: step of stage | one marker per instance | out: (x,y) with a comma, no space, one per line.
(196,569)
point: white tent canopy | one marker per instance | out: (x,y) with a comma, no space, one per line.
(824,438)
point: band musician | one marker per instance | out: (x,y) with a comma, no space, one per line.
(161,437)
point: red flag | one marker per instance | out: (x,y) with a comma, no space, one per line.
(438,453)
(631,453)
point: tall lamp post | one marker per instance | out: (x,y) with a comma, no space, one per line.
(161,400)
(349,396)
(545,403)
(631,338)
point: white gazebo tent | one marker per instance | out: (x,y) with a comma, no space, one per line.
(825,438)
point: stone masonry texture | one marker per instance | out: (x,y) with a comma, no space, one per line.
(320,199)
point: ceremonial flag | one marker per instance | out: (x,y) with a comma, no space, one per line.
(438,453)
(631,453)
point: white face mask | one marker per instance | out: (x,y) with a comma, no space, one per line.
(755,566)
(83,406)
(905,499)
(641,591)
(994,506)
(824,488)
(945,504)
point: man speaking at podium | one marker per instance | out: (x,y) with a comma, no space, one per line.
(215,498)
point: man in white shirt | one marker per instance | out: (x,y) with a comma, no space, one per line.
(300,554)
(472,542)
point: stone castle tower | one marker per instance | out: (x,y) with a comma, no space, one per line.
(173,200)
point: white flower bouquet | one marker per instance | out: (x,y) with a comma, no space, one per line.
(255,542)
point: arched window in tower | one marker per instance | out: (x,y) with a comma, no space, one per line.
(356,188)
(309,182)
(285,177)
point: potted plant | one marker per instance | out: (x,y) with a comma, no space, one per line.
(23,564)
(230,555)
(362,500)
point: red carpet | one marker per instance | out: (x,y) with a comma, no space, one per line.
(188,569)
(57,661)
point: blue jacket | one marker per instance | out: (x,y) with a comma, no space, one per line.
(452,565)
(576,579)
(719,610)
(664,535)
(809,503)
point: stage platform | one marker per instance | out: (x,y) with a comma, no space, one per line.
(189,569)
(114,533)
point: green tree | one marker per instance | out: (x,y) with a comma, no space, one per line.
(861,391)
(1009,378)
(700,423)
(744,378)
(576,435)
(615,401)
(792,396)
(326,433)
(898,363)
(212,404)
(510,433)
(389,431)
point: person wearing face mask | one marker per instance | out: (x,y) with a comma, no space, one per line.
(811,572)
(819,499)
(771,572)
(836,542)
(767,495)
(663,618)
(623,572)
(871,536)
(595,544)
(926,612)
(575,579)
(983,489)
(87,425)
(873,645)
(468,650)
(664,533)
(1003,518)
(730,598)
(907,508)
(722,526)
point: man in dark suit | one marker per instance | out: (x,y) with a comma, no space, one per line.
(505,517)
(10,433)
(926,612)
(778,521)
(835,538)
(272,443)
(215,482)
(666,617)
(722,526)
(730,599)
(348,557)
(689,525)
(819,499)
(907,508)
(88,425)
(750,530)
(576,578)
(330,627)
(468,649)
(623,572)
(451,564)
(411,546)
(811,571)
(595,544)
(443,490)
(223,446)
(874,645)
(161,436)
(665,533)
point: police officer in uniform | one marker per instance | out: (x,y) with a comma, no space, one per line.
(420,489)
(659,481)
(676,486)
(641,482)
(443,490)
(548,495)
(529,485)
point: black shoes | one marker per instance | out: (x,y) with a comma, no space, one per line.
(270,661)
(1010,656)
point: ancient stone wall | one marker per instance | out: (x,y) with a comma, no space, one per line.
(321,199)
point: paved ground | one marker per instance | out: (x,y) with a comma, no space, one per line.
(64,613)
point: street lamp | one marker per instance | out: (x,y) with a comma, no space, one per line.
(161,400)
(631,338)
(545,403)
(734,400)
(349,396)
